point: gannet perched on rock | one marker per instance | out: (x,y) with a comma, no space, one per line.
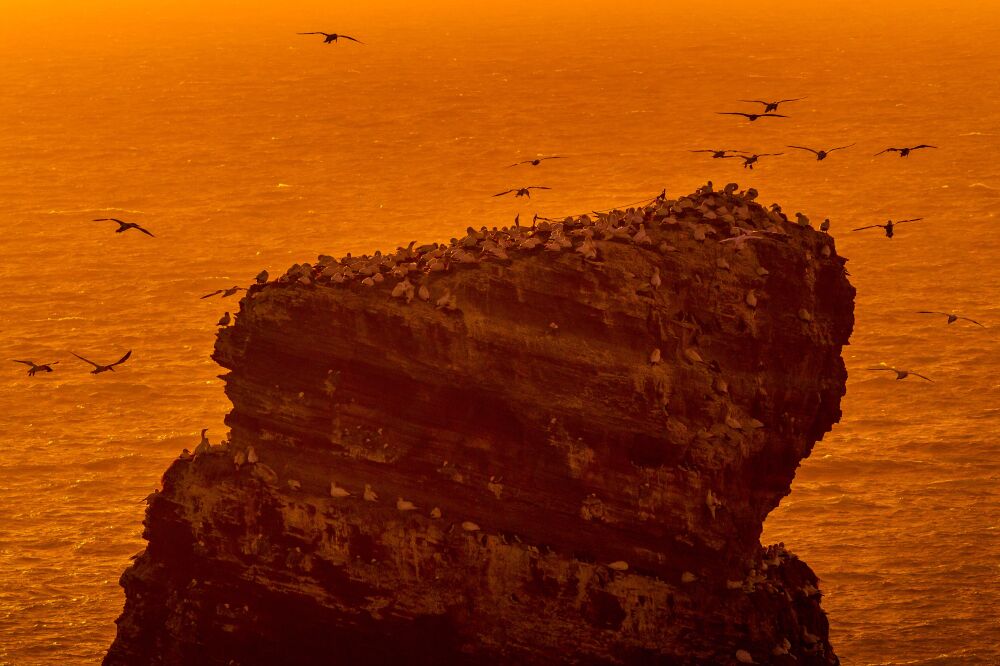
(405,505)
(338,492)
(369,494)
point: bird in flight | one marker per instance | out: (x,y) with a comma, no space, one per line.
(225,292)
(98,368)
(750,160)
(537,161)
(771,106)
(904,152)
(332,37)
(123,226)
(820,154)
(523,191)
(889,226)
(751,116)
(37,367)
(716,154)
(952,317)
(902,374)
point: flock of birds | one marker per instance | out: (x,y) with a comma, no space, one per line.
(770,108)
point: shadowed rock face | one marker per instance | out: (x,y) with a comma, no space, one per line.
(576,499)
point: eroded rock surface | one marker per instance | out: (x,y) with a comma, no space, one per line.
(529,446)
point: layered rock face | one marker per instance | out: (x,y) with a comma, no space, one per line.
(539,446)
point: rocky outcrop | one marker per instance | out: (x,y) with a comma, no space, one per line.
(537,445)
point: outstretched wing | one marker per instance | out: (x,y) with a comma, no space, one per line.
(755,101)
(145,231)
(503,193)
(85,359)
(933,312)
(916,219)
(108,219)
(519,163)
(537,187)
(706,151)
(773,115)
(25,362)
(814,152)
(884,368)
(217,291)
(917,374)
(886,151)
(733,113)
(923,145)
(794,99)
(839,148)
(350,38)
(122,359)
(870,226)
(313,33)
(973,321)
(770,154)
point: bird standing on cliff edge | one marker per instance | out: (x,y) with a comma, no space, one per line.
(224,320)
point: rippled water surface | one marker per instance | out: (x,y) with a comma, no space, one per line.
(244,146)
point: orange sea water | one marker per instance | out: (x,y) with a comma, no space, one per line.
(243,146)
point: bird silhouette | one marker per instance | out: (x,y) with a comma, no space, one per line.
(751,116)
(37,367)
(98,368)
(226,292)
(332,37)
(901,374)
(820,154)
(750,160)
(771,106)
(716,154)
(261,277)
(904,152)
(224,320)
(889,226)
(523,191)
(537,161)
(123,226)
(952,317)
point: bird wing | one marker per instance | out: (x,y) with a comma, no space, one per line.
(933,312)
(886,151)
(109,219)
(350,38)
(769,154)
(965,318)
(794,99)
(537,187)
(870,226)
(85,359)
(839,148)
(313,33)
(923,145)
(733,113)
(886,368)
(217,291)
(503,193)
(916,219)
(706,151)
(145,231)
(773,115)
(815,152)
(755,101)
(519,163)
(122,359)
(25,362)
(917,374)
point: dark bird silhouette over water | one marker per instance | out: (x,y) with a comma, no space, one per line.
(771,106)
(227,292)
(952,317)
(37,367)
(902,374)
(820,154)
(751,116)
(750,160)
(904,152)
(123,226)
(332,37)
(537,161)
(889,226)
(98,368)
(716,154)
(523,191)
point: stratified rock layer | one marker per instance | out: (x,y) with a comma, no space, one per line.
(550,457)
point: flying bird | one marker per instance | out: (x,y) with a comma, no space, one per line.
(771,106)
(902,374)
(716,154)
(123,226)
(332,37)
(98,368)
(226,292)
(904,152)
(37,367)
(820,154)
(952,318)
(750,160)
(523,191)
(751,116)
(889,226)
(537,161)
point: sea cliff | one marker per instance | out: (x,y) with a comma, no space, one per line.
(549,443)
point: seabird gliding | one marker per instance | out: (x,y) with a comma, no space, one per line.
(902,374)
(98,368)
(332,37)
(37,367)
(889,226)
(820,154)
(751,116)
(904,152)
(226,292)
(523,191)
(952,318)
(123,226)
(771,106)
(537,161)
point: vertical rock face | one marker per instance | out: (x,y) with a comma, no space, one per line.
(539,446)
